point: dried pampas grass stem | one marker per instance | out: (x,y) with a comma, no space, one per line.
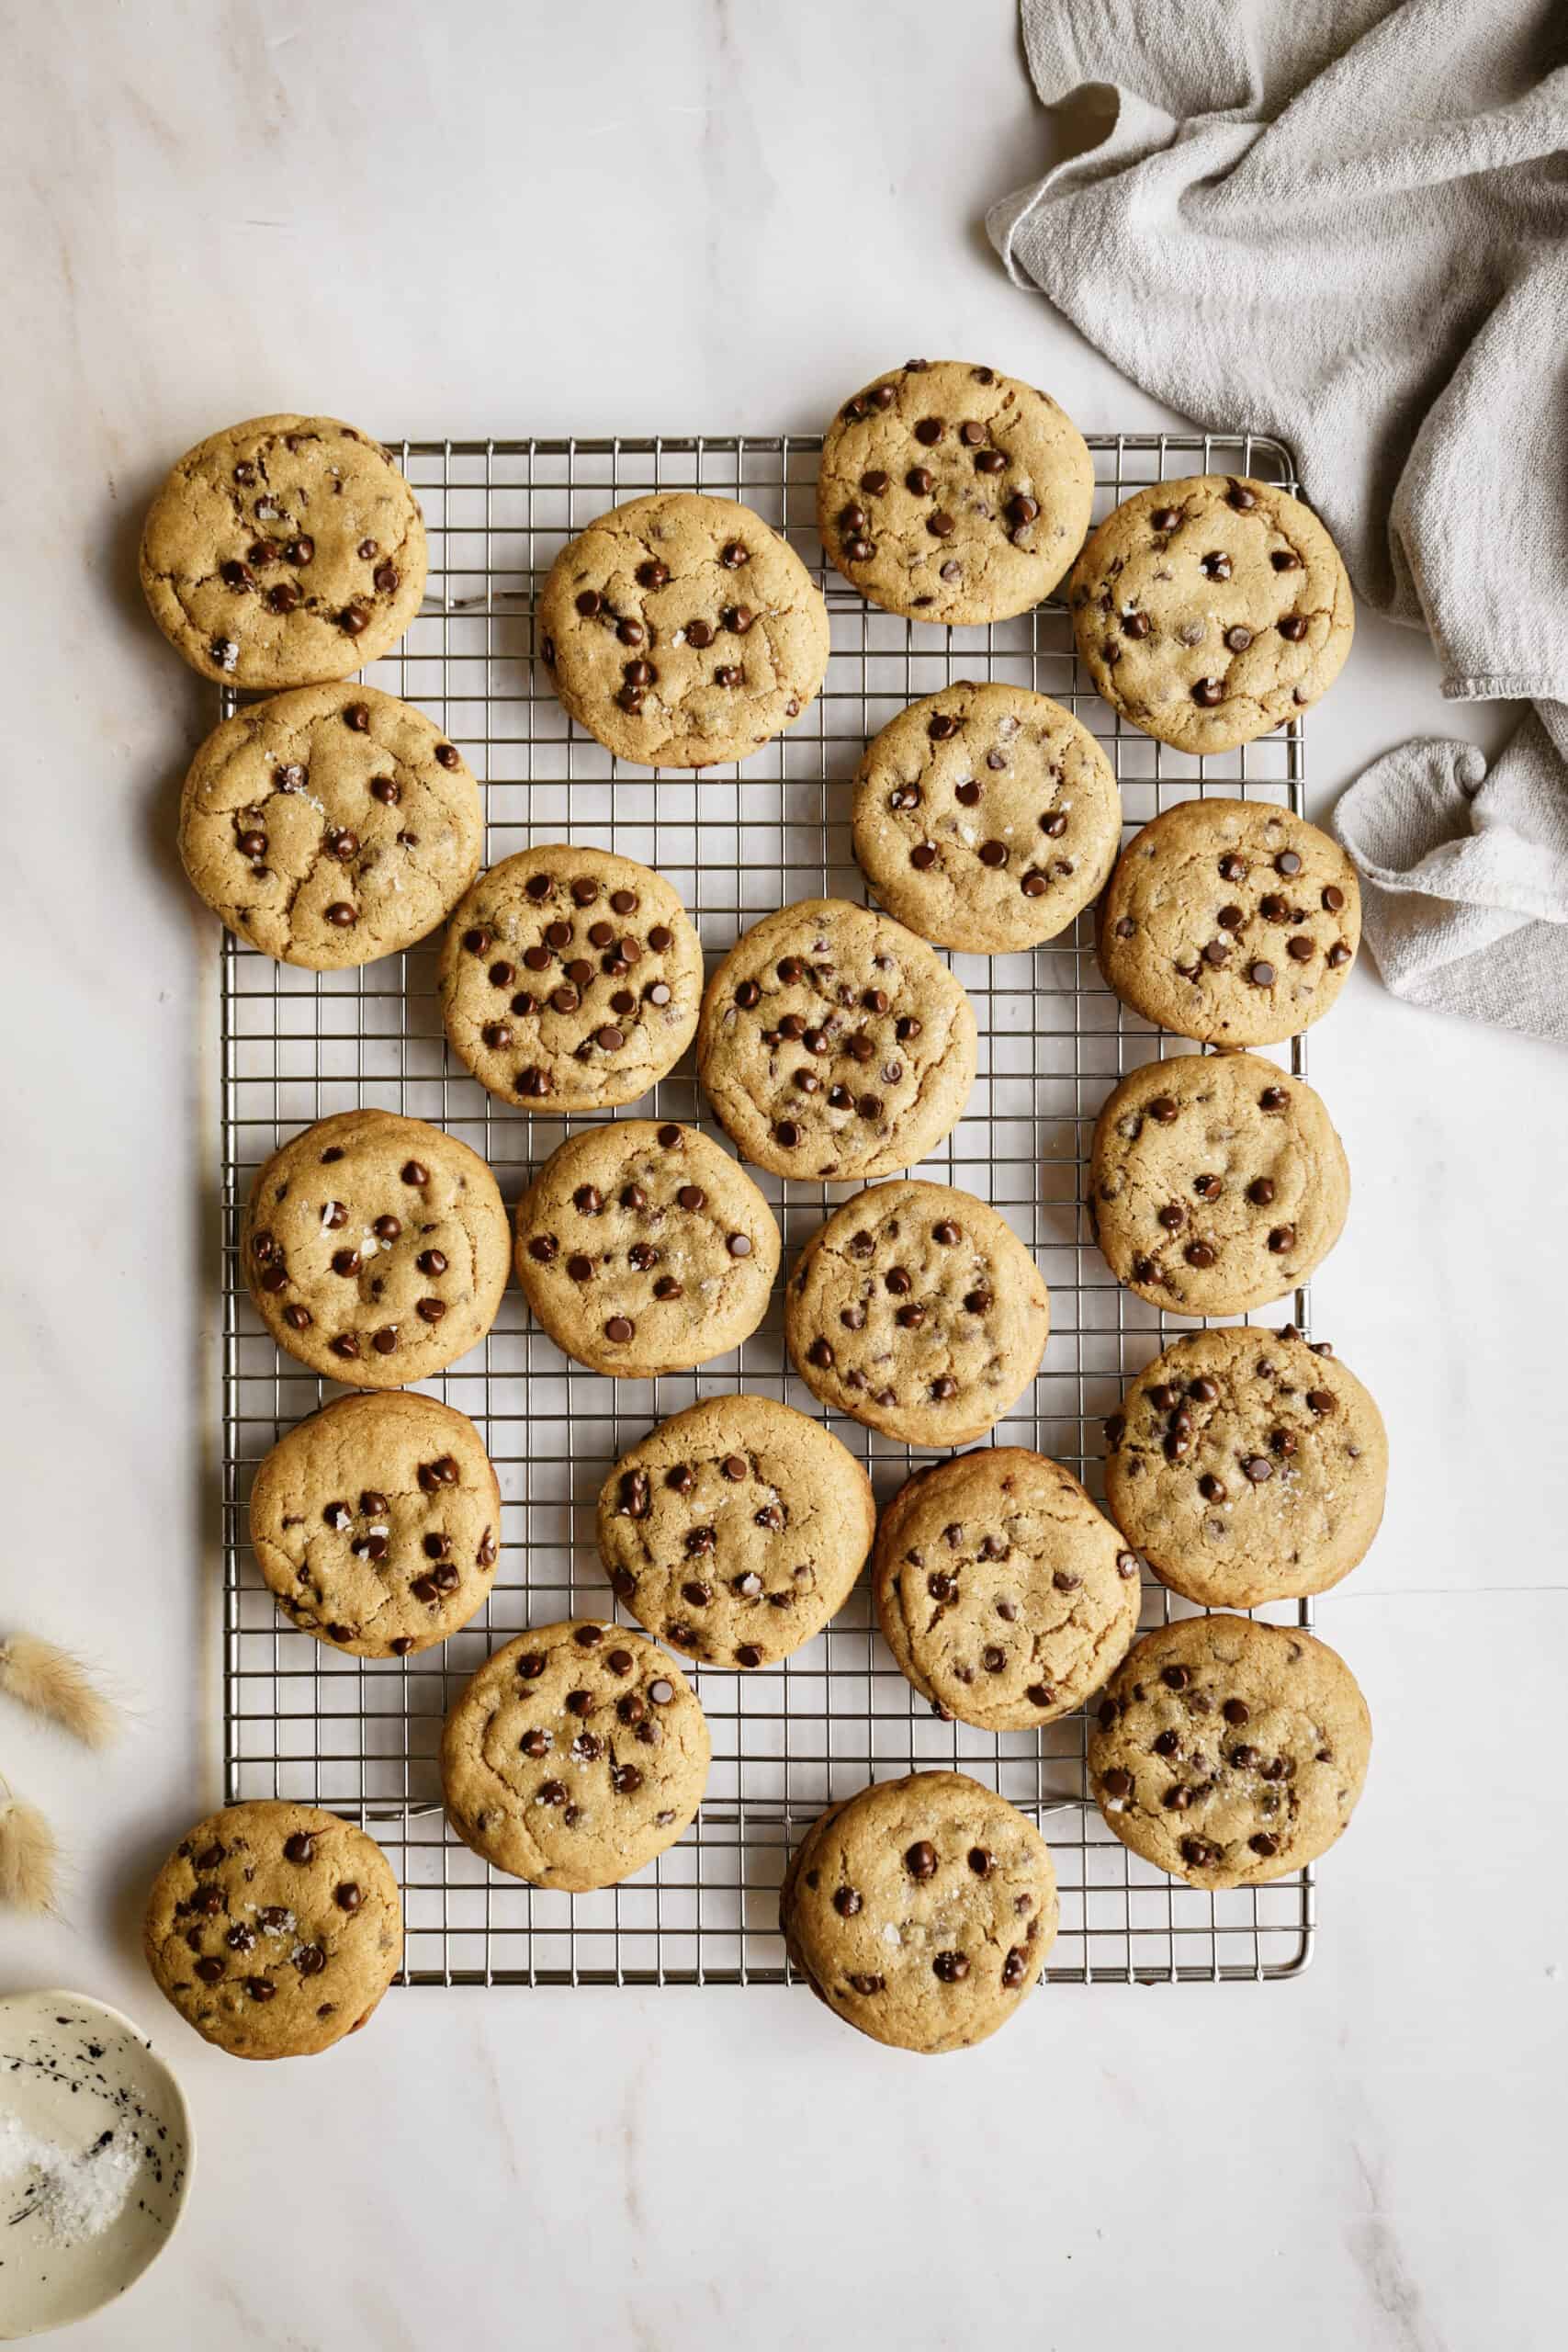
(53,1683)
(28,1855)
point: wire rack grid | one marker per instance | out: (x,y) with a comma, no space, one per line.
(304,1721)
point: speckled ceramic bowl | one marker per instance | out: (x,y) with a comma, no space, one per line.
(81,2078)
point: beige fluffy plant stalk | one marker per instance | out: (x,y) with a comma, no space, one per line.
(29,1857)
(53,1683)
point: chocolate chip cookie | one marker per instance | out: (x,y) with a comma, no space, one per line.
(284,552)
(570,979)
(736,1530)
(985,818)
(921,1910)
(834,1044)
(1229,1752)
(1216,1182)
(918,1311)
(273,1928)
(374,1248)
(376,1523)
(682,630)
(949,493)
(1231,921)
(644,1248)
(330,826)
(1005,1596)
(1208,610)
(1246,1466)
(574,1756)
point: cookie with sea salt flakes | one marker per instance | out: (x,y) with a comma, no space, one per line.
(1229,1752)
(1005,1596)
(1231,921)
(916,1309)
(681,629)
(643,1247)
(921,1911)
(949,493)
(1246,1466)
(283,552)
(834,1044)
(376,1523)
(1210,609)
(570,979)
(736,1530)
(574,1756)
(330,826)
(374,1248)
(1216,1182)
(273,1928)
(985,818)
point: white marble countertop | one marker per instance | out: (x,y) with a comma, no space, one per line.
(504,219)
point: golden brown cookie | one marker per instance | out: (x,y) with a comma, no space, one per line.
(1231,921)
(1210,609)
(1229,1752)
(330,826)
(682,630)
(283,552)
(949,493)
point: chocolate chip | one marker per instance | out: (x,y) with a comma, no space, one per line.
(1258,1467)
(1282,1238)
(1207,692)
(952,1967)
(619,1329)
(1294,626)
(1261,975)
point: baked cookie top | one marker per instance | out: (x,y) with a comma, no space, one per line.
(949,493)
(834,1044)
(273,1928)
(376,1523)
(1208,610)
(917,1310)
(1005,1596)
(283,552)
(921,1910)
(1231,921)
(574,1756)
(736,1530)
(1229,1752)
(570,979)
(1246,1466)
(330,826)
(374,1248)
(644,1248)
(985,818)
(682,630)
(1216,1182)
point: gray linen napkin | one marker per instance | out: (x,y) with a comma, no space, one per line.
(1346,222)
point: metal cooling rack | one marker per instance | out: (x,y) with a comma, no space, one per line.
(362,1738)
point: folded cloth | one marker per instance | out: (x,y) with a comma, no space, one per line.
(1344,222)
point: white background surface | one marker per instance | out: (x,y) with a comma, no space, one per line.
(500,219)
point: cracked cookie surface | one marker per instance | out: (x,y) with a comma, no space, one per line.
(643,1248)
(574,1756)
(1210,609)
(949,493)
(833,1043)
(1216,1182)
(985,818)
(1005,1596)
(273,1928)
(1231,921)
(330,826)
(374,1248)
(682,630)
(917,1310)
(1228,1752)
(1247,1465)
(283,552)
(921,1911)
(570,979)
(376,1523)
(736,1530)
